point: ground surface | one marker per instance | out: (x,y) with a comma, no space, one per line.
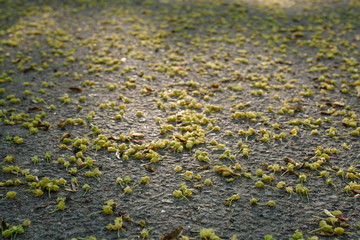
(105,94)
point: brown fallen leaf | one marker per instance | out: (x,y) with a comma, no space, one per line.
(16,60)
(137,141)
(225,171)
(75,89)
(125,216)
(33,100)
(149,168)
(28,69)
(34,109)
(114,138)
(181,139)
(119,154)
(73,186)
(214,85)
(289,160)
(342,219)
(70,190)
(43,126)
(138,135)
(329,112)
(128,218)
(300,166)
(205,167)
(65,135)
(173,234)
(61,124)
(121,213)
(338,104)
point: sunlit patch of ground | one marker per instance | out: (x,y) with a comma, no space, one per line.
(179,119)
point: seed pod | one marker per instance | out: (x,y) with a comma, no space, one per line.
(144,233)
(271,203)
(339,231)
(237,166)
(61,205)
(86,188)
(265,178)
(187,192)
(38,192)
(189,175)
(144,180)
(259,184)
(208,182)
(336,213)
(107,209)
(259,172)
(177,193)
(327,228)
(289,189)
(127,190)
(127,179)
(302,178)
(26,223)
(281,185)
(248,175)
(298,188)
(10,194)
(253,201)
(329,181)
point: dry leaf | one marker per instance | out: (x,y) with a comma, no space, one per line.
(34,109)
(65,135)
(149,168)
(173,234)
(75,89)
(138,135)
